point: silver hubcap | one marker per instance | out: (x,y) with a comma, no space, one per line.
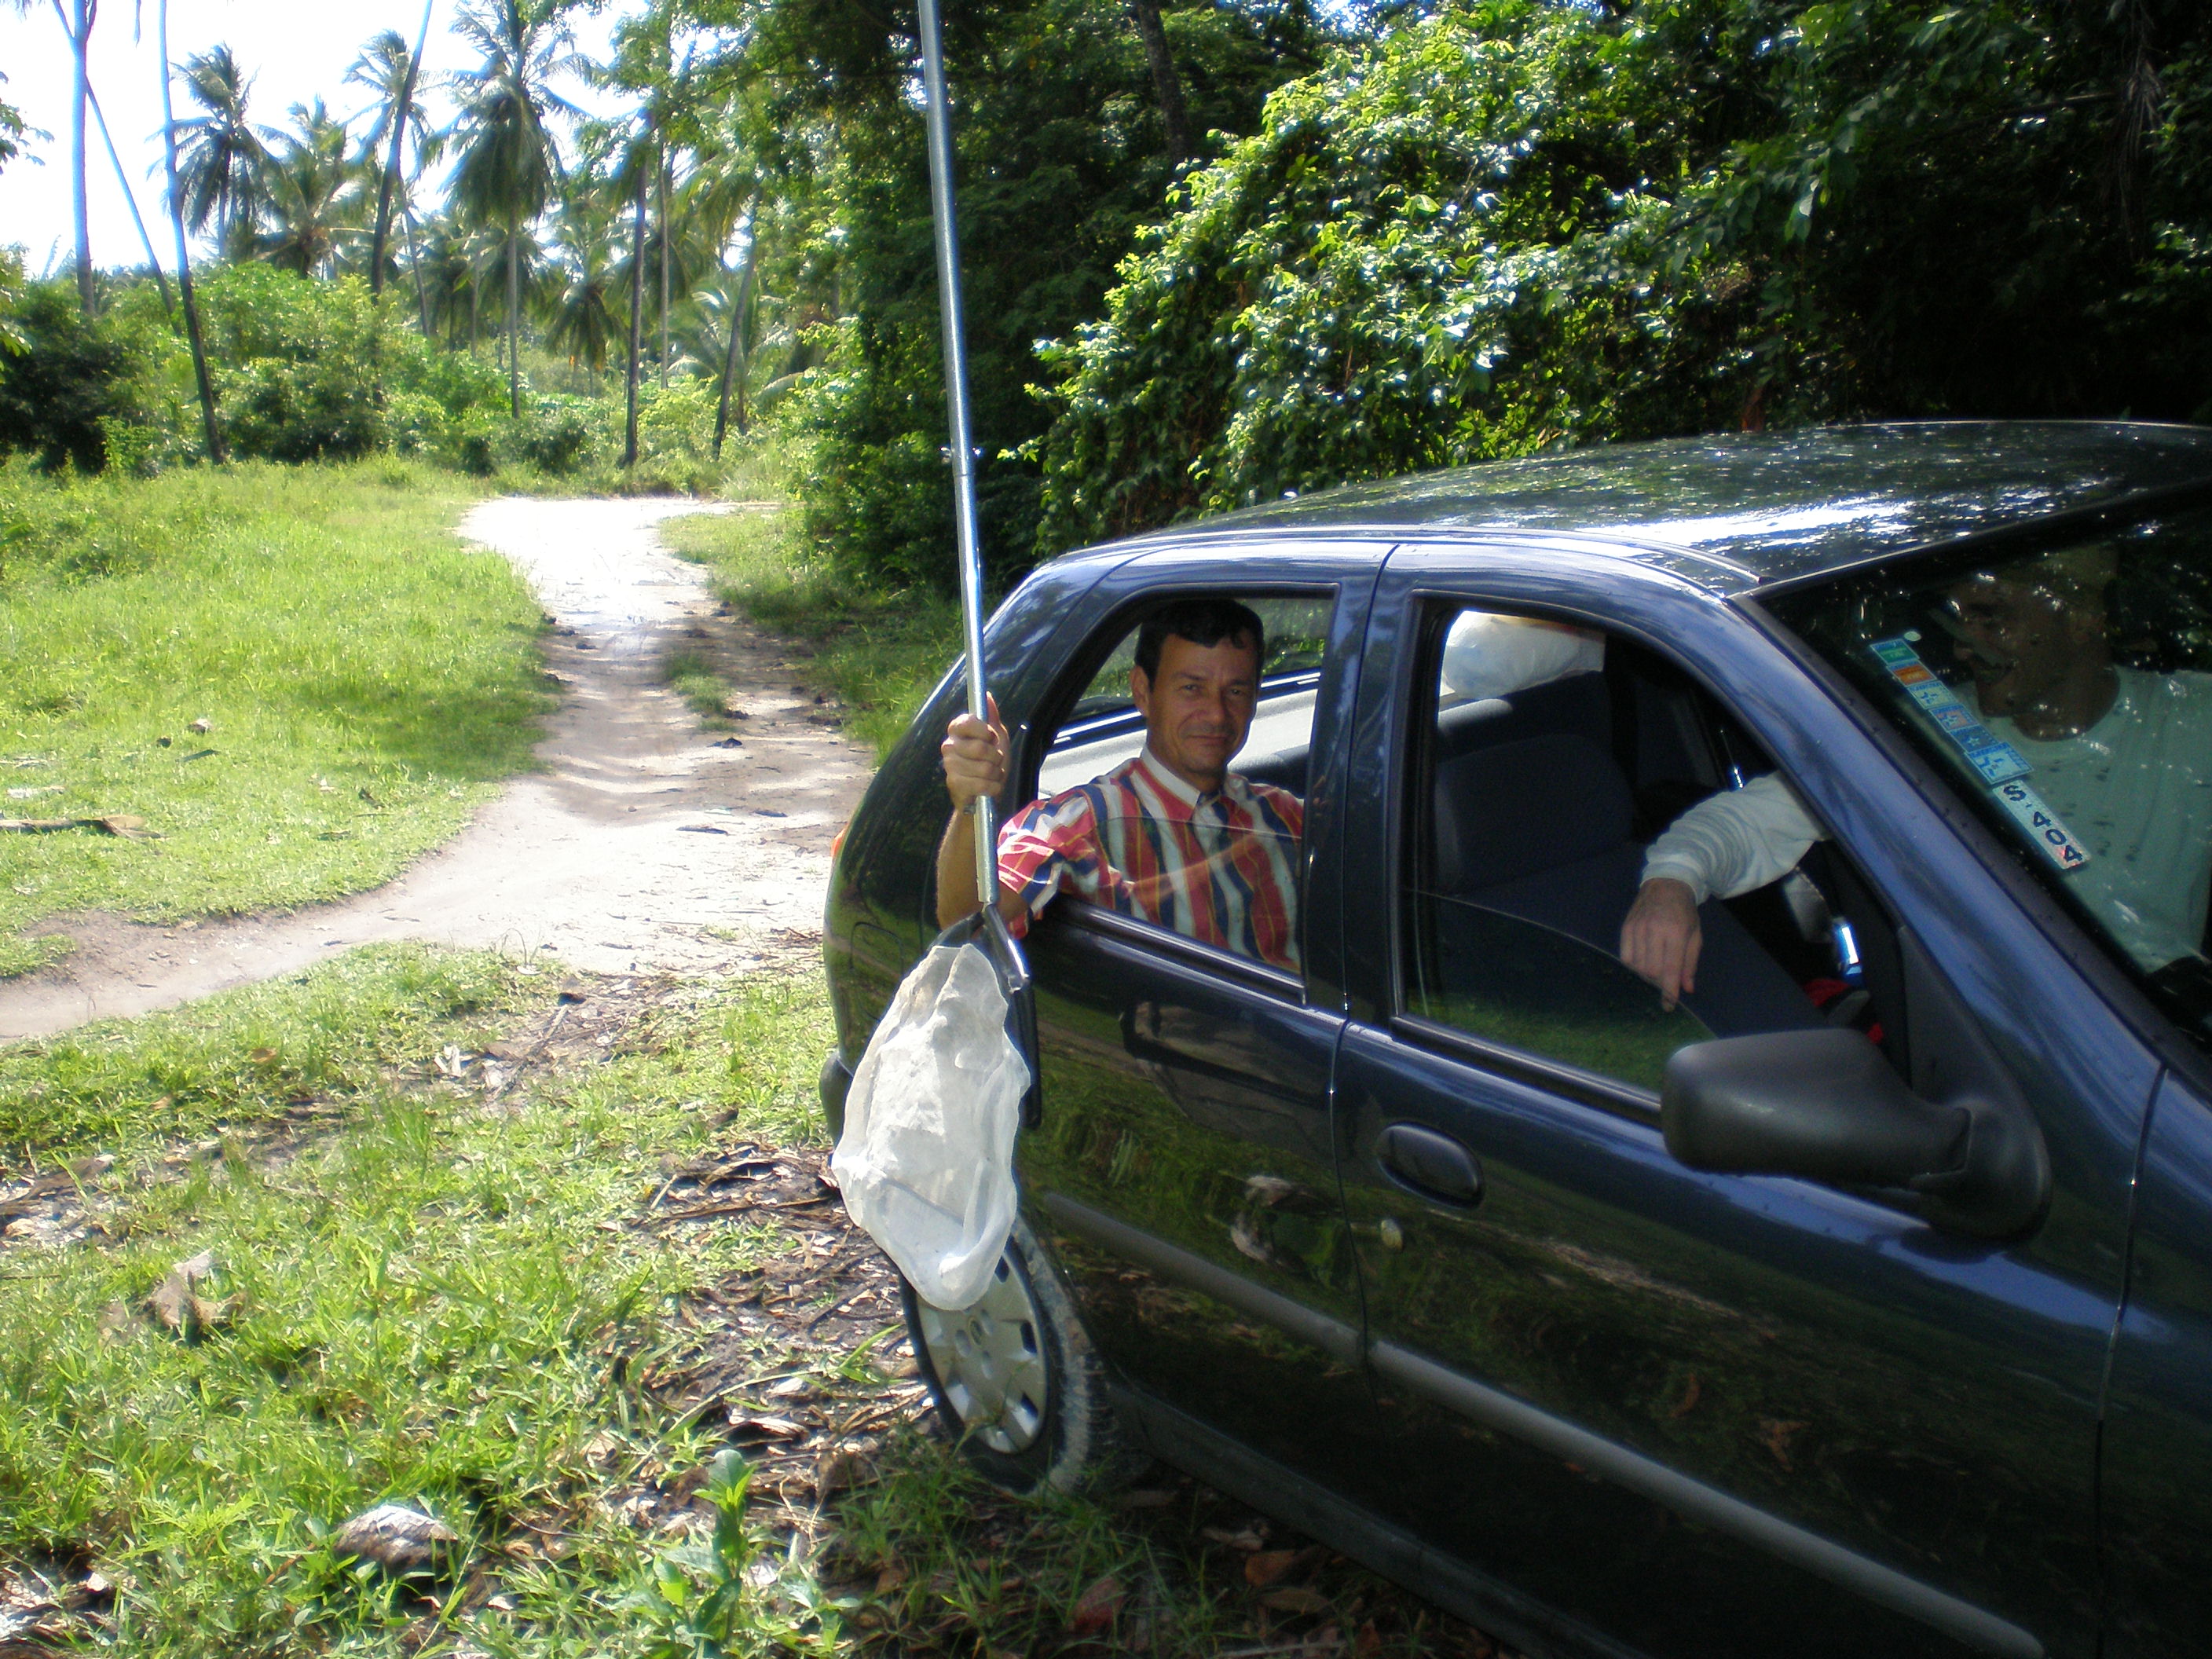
(990,1360)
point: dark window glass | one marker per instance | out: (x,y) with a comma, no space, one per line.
(1545,759)
(1508,980)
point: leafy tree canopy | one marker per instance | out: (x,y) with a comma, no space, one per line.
(1518,224)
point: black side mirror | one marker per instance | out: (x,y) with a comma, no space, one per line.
(1825,1105)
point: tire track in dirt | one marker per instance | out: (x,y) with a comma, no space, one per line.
(644,845)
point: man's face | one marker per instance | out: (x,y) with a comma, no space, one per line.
(2024,639)
(1197,707)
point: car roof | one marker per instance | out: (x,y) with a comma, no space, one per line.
(1774,506)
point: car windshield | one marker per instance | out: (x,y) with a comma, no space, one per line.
(2066,693)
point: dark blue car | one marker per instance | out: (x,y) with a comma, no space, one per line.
(1858,1303)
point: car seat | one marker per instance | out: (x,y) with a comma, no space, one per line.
(1541,828)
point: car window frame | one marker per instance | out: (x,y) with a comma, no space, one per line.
(1064,690)
(1413,696)
(1889,804)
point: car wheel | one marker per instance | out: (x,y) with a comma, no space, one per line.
(1015,1381)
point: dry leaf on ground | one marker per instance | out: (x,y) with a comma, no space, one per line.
(1096,1608)
(178,1303)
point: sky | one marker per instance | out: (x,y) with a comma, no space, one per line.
(294,49)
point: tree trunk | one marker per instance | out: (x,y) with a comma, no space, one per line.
(1167,85)
(514,319)
(735,352)
(666,254)
(415,264)
(211,428)
(131,201)
(636,320)
(392,161)
(80,91)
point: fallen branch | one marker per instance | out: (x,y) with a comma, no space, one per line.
(112,823)
(700,1213)
(491,1098)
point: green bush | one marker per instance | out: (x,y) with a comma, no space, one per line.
(297,359)
(678,419)
(1518,224)
(473,443)
(416,424)
(457,382)
(63,377)
(298,362)
(555,440)
(1062,156)
(1433,252)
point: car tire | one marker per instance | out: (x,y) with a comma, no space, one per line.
(1016,1382)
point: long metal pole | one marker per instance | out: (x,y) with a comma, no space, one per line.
(937,117)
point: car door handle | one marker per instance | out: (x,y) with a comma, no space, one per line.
(1434,1165)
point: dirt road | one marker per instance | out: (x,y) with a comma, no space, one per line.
(646,845)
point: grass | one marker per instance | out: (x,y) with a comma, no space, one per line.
(364,677)
(880,651)
(440,1304)
(444,1301)
(236,1060)
(691,676)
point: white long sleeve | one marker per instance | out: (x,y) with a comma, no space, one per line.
(1736,841)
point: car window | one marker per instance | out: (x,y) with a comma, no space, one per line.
(1544,760)
(1120,826)
(1103,728)
(2065,693)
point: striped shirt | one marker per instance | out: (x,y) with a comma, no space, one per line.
(1220,868)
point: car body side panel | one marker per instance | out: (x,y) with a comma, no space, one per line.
(1182,1177)
(2157,1427)
(1926,1404)
(1184,1172)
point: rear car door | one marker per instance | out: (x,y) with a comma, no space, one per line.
(1183,1169)
(1648,1407)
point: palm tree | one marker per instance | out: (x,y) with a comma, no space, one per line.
(735,305)
(509,162)
(193,334)
(76,22)
(718,209)
(222,159)
(634,168)
(583,320)
(462,261)
(309,181)
(443,269)
(391,73)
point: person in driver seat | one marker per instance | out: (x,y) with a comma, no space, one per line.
(1171,836)
(2122,755)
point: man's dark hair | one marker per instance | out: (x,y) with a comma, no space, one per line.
(1205,623)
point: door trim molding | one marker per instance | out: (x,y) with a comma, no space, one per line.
(1319,1330)
(1695,1501)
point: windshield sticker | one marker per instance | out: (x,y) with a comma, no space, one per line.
(1997,760)
(2042,826)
